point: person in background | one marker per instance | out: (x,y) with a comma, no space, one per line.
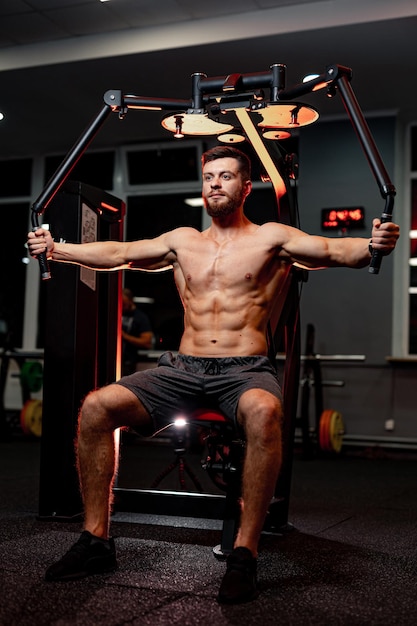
(137,332)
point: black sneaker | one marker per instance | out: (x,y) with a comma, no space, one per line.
(239,582)
(89,555)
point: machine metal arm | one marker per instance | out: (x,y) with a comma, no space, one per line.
(337,79)
(113,101)
(60,176)
(376,164)
(207,94)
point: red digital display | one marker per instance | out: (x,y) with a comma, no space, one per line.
(343,218)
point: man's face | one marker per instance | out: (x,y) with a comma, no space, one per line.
(224,190)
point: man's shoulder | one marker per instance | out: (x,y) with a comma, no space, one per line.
(182,236)
(273,231)
(184,231)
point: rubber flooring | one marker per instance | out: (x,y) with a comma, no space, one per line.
(349,560)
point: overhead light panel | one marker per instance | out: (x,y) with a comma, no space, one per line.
(276,135)
(289,115)
(194,124)
(233,137)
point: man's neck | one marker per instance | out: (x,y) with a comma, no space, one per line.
(229,224)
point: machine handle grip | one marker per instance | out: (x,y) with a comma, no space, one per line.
(376,258)
(44,266)
(375,264)
(43,262)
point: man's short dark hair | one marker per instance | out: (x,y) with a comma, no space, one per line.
(224,152)
(128,293)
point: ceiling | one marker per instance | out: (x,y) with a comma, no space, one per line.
(59,57)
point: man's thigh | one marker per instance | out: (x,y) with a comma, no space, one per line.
(163,391)
(120,406)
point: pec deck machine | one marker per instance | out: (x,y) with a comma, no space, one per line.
(82,307)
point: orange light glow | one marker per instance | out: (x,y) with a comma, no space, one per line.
(109,207)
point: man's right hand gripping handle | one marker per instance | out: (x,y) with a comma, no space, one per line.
(38,248)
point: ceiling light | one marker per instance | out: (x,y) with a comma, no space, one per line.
(194,202)
(310,77)
(318,81)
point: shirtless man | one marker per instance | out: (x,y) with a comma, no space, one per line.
(228,277)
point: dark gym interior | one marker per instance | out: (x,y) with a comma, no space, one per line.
(339,545)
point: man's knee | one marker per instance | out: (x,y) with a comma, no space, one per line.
(93,412)
(90,402)
(261,414)
(113,407)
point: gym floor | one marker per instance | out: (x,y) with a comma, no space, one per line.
(349,560)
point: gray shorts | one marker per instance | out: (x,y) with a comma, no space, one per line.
(182,383)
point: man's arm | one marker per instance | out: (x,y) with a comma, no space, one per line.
(150,254)
(314,252)
(143,340)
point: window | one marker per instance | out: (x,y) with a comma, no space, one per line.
(171,165)
(412,290)
(149,216)
(15,178)
(93,168)
(12,258)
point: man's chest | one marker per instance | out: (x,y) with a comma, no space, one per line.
(227,267)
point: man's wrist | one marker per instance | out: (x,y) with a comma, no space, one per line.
(370,247)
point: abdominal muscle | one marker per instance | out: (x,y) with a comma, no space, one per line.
(228,292)
(224,344)
(213,330)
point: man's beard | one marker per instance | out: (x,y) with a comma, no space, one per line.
(225,207)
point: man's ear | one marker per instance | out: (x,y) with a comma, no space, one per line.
(248,187)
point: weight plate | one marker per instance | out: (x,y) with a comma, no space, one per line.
(31,376)
(31,418)
(331,431)
(324,430)
(336,431)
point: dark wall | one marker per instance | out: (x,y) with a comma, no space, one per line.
(350,309)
